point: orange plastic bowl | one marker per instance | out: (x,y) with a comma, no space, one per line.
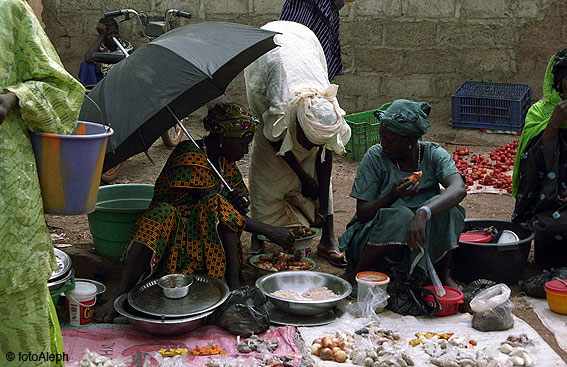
(556,296)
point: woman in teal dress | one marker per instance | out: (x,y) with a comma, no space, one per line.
(393,218)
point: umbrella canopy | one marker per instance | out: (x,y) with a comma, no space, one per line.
(182,69)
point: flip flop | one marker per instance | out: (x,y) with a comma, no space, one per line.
(327,255)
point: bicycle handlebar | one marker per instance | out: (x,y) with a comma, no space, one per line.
(180,13)
(117,13)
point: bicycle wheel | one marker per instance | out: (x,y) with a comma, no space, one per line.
(174,135)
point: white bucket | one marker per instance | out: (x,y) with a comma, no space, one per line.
(304,247)
(80,303)
(367,282)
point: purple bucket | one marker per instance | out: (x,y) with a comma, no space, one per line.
(69,167)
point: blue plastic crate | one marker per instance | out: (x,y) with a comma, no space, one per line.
(485,105)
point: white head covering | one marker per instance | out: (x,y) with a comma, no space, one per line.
(290,83)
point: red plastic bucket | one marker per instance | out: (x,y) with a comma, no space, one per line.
(449,302)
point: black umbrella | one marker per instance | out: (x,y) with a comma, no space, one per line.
(164,80)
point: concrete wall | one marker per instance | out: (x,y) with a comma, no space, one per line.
(417,49)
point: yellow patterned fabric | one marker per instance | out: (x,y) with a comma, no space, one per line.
(179,227)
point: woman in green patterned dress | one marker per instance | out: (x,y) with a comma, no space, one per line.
(37,94)
(193,224)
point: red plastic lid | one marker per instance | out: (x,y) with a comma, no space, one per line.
(371,276)
(475,237)
(556,286)
(452,295)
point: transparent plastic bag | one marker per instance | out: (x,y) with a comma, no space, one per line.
(439,290)
(492,309)
(372,301)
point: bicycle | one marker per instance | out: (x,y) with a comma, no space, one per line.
(151,29)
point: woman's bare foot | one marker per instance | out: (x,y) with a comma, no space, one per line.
(106,313)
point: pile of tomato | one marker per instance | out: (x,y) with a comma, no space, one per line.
(480,171)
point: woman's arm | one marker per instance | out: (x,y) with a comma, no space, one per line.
(558,118)
(323,170)
(278,235)
(455,191)
(309,187)
(101,29)
(366,210)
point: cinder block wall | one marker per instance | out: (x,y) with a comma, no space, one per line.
(417,49)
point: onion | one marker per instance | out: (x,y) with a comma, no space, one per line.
(327,342)
(326,354)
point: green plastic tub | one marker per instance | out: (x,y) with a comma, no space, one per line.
(117,208)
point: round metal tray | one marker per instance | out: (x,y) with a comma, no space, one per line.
(63,265)
(59,283)
(316,230)
(100,288)
(283,318)
(205,294)
(167,327)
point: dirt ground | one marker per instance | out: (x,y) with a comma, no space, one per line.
(71,233)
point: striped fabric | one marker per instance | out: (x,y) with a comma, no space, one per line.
(322,17)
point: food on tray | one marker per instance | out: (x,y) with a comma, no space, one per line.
(415,177)
(255,343)
(280,262)
(312,294)
(301,232)
(207,351)
(329,348)
(172,352)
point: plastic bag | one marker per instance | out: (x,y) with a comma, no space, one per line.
(409,297)
(472,290)
(535,285)
(245,312)
(492,309)
(370,301)
(439,290)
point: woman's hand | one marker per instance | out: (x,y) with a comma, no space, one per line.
(238,199)
(309,187)
(7,102)
(282,237)
(403,187)
(559,115)
(416,235)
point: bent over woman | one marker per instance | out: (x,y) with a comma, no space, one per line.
(393,215)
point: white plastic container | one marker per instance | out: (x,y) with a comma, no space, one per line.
(368,283)
(304,247)
(80,303)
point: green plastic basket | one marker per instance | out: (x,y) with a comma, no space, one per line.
(364,133)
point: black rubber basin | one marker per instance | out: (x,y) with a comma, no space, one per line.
(499,262)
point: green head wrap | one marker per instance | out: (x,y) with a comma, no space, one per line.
(406,118)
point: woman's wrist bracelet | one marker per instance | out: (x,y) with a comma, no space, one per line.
(427,211)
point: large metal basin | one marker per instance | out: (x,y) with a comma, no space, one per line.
(302,281)
(156,326)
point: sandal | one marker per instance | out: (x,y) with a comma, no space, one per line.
(339,262)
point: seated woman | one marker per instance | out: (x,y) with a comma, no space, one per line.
(193,224)
(540,175)
(394,216)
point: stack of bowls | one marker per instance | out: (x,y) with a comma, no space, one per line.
(62,279)
(172,305)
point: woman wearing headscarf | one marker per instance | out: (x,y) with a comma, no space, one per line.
(396,218)
(301,124)
(193,224)
(540,174)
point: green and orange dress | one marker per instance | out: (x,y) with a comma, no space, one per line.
(179,226)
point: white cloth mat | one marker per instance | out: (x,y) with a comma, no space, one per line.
(555,322)
(407,326)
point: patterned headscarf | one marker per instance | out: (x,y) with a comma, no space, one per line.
(230,120)
(406,118)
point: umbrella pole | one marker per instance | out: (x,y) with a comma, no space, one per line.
(197,145)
